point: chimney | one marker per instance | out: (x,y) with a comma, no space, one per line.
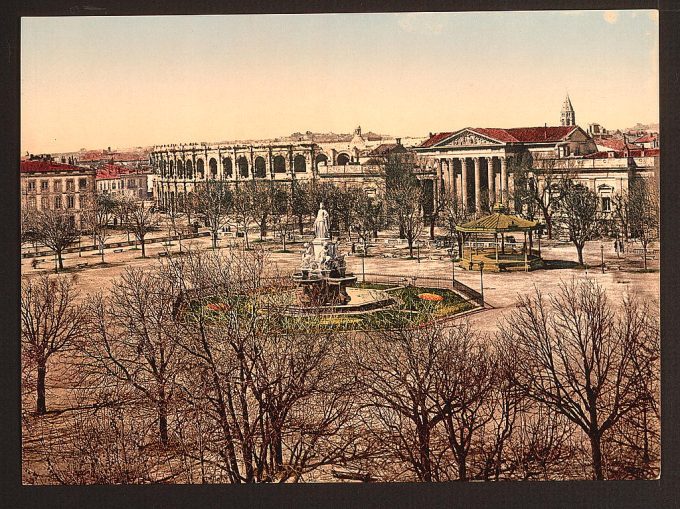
(398,141)
(431,135)
(545,130)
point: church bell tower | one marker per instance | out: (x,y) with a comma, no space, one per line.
(568,117)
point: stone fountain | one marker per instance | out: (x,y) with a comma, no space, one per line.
(322,279)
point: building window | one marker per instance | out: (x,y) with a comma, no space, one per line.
(70,185)
(31,202)
(606,204)
(44,203)
(31,185)
(70,202)
(131,184)
(113,186)
(57,186)
(57,202)
(44,185)
(82,183)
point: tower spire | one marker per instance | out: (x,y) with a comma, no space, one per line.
(567,116)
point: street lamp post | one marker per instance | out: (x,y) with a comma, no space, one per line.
(481,280)
(418,249)
(602,256)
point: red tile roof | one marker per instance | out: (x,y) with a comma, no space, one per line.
(434,139)
(512,135)
(114,171)
(613,143)
(48,166)
(647,138)
(385,149)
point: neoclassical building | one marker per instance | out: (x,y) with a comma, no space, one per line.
(474,165)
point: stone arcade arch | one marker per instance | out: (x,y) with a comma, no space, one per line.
(260,170)
(242,167)
(200,168)
(180,169)
(212,165)
(227,167)
(279,164)
(343,159)
(299,164)
(319,160)
(189,169)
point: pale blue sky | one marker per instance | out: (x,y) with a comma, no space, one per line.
(102,81)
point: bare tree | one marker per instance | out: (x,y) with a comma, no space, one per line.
(579,215)
(275,403)
(643,212)
(453,214)
(55,229)
(133,339)
(283,214)
(368,216)
(574,355)
(98,218)
(404,196)
(50,323)
(213,204)
(243,211)
(141,220)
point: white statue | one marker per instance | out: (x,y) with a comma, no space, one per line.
(324,256)
(308,256)
(321,228)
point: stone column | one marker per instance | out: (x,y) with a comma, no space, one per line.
(464,187)
(452,187)
(440,191)
(504,181)
(478,194)
(492,181)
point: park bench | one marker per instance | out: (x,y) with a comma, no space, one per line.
(162,253)
(119,250)
(502,267)
(82,265)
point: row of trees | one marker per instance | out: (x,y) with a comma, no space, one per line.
(189,361)
(573,210)
(57,229)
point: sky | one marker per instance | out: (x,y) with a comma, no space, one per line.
(95,82)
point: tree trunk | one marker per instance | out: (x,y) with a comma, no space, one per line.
(410,248)
(597,456)
(462,469)
(263,228)
(141,241)
(579,250)
(40,404)
(432,221)
(402,233)
(300,225)
(60,260)
(548,225)
(214,239)
(644,254)
(163,423)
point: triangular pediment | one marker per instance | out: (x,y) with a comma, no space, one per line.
(467,138)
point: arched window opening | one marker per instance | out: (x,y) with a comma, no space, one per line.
(200,168)
(299,164)
(279,164)
(227,167)
(260,167)
(243,167)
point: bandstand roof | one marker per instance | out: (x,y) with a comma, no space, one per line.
(498,222)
